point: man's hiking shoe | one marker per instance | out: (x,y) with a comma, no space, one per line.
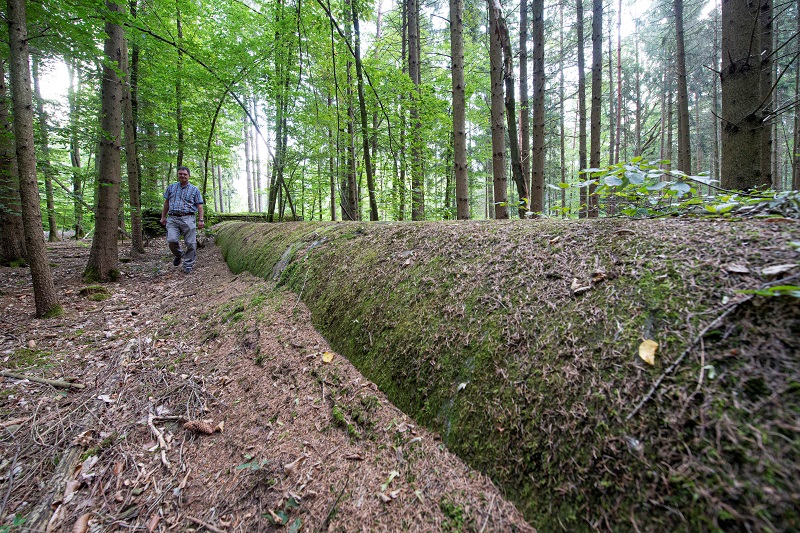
(177,260)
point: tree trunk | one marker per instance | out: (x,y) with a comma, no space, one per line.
(102,264)
(498,129)
(179,86)
(796,145)
(524,105)
(75,153)
(765,24)
(561,125)
(417,175)
(248,172)
(362,106)
(611,120)
(537,152)
(619,81)
(256,159)
(44,292)
(511,113)
(597,93)
(582,157)
(741,112)
(684,146)
(12,233)
(131,153)
(459,109)
(44,154)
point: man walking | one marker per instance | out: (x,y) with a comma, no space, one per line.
(181,201)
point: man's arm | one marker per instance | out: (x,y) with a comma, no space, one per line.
(200,221)
(164,211)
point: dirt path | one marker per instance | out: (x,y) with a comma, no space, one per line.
(307,444)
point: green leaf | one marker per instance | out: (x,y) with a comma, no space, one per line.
(658,186)
(294,527)
(613,181)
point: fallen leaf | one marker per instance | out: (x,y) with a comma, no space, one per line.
(647,351)
(735,268)
(82,523)
(577,288)
(384,498)
(153,523)
(461,386)
(554,240)
(777,269)
(327,357)
(393,474)
(199,426)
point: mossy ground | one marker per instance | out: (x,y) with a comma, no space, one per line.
(481,331)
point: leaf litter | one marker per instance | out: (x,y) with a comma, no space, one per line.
(168,361)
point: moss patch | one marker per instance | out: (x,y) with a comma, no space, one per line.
(517,341)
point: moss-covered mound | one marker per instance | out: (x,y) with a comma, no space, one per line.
(519,342)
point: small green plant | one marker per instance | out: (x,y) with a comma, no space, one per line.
(95,293)
(16,522)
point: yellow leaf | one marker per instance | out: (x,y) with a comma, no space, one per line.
(327,357)
(647,351)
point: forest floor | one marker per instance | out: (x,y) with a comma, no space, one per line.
(168,356)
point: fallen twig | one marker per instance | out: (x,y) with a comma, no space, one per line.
(204,524)
(488,514)
(53,382)
(161,442)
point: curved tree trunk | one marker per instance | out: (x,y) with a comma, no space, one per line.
(44,291)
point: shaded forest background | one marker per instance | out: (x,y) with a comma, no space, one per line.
(392,111)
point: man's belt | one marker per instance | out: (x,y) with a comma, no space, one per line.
(180,213)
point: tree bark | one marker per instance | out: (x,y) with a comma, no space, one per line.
(131,152)
(179,85)
(766,89)
(684,146)
(12,233)
(741,111)
(500,184)
(582,155)
(524,104)
(597,93)
(44,292)
(459,109)
(248,172)
(44,154)
(103,256)
(417,176)
(796,146)
(538,152)
(362,106)
(75,152)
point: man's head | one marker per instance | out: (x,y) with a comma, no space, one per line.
(183,175)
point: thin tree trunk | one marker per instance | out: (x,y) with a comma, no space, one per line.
(362,106)
(524,105)
(256,159)
(498,129)
(459,109)
(537,150)
(561,125)
(131,154)
(638,140)
(179,86)
(44,154)
(597,93)
(417,176)
(684,146)
(248,172)
(765,23)
(796,144)
(619,81)
(102,263)
(75,153)
(612,134)
(44,293)
(12,233)
(582,154)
